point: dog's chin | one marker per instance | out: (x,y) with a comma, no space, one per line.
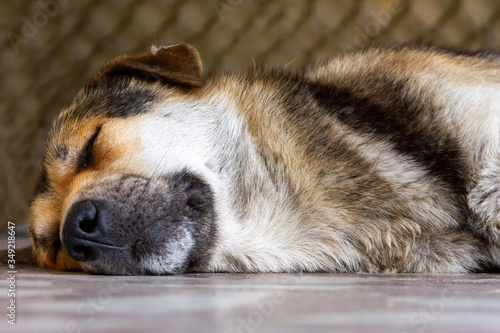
(152,254)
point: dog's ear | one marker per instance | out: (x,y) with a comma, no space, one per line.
(177,64)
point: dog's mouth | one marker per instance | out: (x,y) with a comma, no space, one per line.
(135,225)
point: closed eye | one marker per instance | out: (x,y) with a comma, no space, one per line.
(85,156)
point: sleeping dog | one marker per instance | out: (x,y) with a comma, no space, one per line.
(386,160)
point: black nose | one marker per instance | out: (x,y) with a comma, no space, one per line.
(82,231)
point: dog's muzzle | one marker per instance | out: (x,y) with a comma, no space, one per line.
(140,226)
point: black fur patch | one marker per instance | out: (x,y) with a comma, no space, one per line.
(42,184)
(114,98)
(399,122)
(485,54)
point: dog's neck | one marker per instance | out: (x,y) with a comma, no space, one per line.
(255,200)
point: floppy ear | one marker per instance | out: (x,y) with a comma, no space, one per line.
(178,64)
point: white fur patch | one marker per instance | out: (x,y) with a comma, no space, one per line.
(171,258)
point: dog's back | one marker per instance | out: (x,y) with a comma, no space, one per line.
(372,161)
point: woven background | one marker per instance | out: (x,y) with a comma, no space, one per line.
(50,46)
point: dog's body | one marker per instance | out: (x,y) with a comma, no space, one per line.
(384,160)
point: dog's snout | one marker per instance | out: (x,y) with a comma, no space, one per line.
(82,232)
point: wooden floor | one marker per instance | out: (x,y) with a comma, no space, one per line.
(52,301)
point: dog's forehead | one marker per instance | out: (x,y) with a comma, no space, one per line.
(112,99)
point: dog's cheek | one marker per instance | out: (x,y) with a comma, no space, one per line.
(62,262)
(44,215)
(44,224)
(45,258)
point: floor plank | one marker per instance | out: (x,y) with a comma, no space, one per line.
(51,301)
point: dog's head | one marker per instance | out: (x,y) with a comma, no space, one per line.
(124,186)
